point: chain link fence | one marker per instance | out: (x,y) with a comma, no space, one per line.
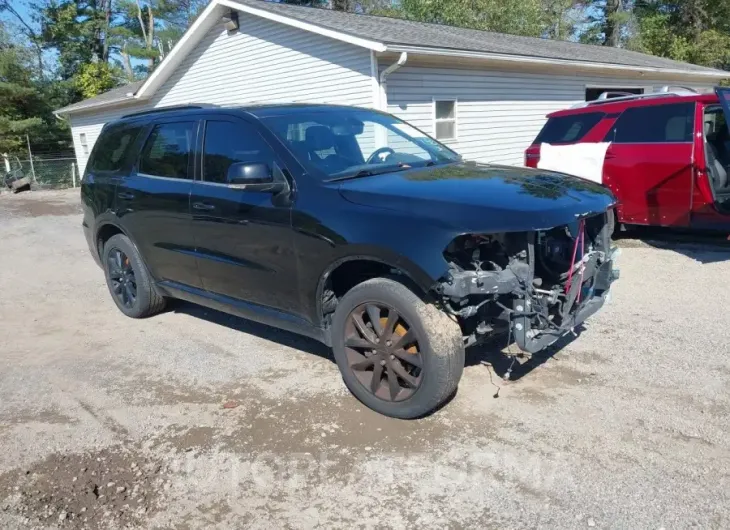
(48,173)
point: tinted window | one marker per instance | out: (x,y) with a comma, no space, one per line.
(228,143)
(113,146)
(654,124)
(167,150)
(566,129)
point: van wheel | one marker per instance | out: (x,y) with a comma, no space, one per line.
(398,355)
(128,280)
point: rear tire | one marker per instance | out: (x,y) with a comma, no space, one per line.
(434,342)
(128,279)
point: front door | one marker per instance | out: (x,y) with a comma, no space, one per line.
(244,239)
(649,164)
(154,202)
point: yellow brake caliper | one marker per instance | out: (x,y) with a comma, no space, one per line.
(399,330)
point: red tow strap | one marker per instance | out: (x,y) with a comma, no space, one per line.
(579,240)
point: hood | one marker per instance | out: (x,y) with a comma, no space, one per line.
(482,198)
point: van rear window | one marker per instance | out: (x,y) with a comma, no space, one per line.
(566,129)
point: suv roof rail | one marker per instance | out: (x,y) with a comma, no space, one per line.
(661,94)
(166,109)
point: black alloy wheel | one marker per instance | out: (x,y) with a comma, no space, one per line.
(383,352)
(121,276)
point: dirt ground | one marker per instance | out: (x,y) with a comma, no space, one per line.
(195,419)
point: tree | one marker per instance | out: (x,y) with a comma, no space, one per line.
(78,30)
(524,17)
(696,31)
(96,78)
(561,18)
(609,22)
(27,30)
(25,103)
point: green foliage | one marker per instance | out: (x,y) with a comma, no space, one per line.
(510,16)
(25,104)
(695,31)
(77,31)
(96,78)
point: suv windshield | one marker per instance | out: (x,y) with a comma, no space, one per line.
(351,143)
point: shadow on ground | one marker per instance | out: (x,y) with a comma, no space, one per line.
(494,352)
(703,247)
(285,338)
(504,357)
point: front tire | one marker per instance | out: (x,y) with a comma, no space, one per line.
(397,354)
(128,280)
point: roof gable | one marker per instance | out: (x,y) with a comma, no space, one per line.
(381,34)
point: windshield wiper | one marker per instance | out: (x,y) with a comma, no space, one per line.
(371,172)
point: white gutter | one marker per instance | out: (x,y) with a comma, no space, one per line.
(108,103)
(384,76)
(448,52)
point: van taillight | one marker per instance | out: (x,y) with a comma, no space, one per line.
(532,156)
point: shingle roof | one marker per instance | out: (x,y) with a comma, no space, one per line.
(113,95)
(396,31)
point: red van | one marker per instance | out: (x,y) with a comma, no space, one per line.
(666,155)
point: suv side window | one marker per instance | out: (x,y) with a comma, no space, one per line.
(112,148)
(653,124)
(228,143)
(566,129)
(167,150)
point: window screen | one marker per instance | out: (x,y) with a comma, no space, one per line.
(167,151)
(566,129)
(84,144)
(445,119)
(228,143)
(112,147)
(654,124)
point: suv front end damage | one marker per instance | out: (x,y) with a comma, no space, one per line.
(536,285)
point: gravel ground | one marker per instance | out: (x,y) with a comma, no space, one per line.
(194,419)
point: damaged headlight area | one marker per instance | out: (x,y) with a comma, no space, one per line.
(536,285)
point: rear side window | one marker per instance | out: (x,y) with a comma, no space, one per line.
(167,150)
(654,124)
(566,129)
(113,146)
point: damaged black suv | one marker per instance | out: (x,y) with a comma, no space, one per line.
(349,226)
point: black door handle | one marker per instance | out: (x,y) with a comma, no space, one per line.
(126,196)
(203,206)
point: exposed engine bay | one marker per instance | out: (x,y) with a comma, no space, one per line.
(536,285)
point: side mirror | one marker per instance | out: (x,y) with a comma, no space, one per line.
(254,177)
(243,174)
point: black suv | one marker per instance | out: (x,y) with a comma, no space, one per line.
(350,226)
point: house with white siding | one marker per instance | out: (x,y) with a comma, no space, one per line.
(484,94)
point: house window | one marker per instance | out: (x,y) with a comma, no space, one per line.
(84,145)
(444,112)
(594,93)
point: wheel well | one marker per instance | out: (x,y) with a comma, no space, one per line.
(104,234)
(354,272)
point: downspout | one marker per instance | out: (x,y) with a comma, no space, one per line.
(383,79)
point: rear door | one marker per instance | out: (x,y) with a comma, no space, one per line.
(649,163)
(108,164)
(154,201)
